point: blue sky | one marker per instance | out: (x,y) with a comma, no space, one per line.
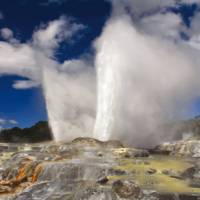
(24,16)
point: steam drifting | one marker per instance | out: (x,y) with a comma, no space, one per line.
(143,82)
(147,74)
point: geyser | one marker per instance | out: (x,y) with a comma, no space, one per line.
(70,100)
(144,82)
(146,77)
(107,64)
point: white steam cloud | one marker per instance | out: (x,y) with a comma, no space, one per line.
(70,99)
(141,85)
(147,75)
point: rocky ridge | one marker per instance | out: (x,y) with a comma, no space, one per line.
(88,169)
(40,132)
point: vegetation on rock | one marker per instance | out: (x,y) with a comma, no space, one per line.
(40,132)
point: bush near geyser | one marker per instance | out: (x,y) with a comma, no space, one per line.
(40,132)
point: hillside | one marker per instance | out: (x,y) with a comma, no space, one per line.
(39,132)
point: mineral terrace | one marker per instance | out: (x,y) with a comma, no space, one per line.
(87,169)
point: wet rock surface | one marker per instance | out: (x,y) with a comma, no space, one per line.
(189,147)
(87,169)
(126,189)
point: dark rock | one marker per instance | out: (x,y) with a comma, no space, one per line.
(177,176)
(168,197)
(173,174)
(103,180)
(188,197)
(3,148)
(159,150)
(100,154)
(189,173)
(165,171)
(136,153)
(151,171)
(117,172)
(142,153)
(126,189)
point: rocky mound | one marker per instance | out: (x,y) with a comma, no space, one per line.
(188,129)
(186,148)
(96,143)
(186,142)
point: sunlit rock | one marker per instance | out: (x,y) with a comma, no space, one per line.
(88,169)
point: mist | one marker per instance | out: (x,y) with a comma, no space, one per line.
(70,99)
(144,83)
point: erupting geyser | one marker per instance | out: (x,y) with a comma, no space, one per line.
(143,83)
(107,87)
(147,73)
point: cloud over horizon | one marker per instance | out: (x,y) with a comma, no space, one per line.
(7,122)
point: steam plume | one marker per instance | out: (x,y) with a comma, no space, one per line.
(146,77)
(143,81)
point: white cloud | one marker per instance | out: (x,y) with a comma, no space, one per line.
(2,121)
(25,84)
(194,32)
(6,33)
(7,122)
(12,122)
(18,59)
(68,87)
(141,7)
(24,58)
(49,37)
(195,25)
(162,25)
